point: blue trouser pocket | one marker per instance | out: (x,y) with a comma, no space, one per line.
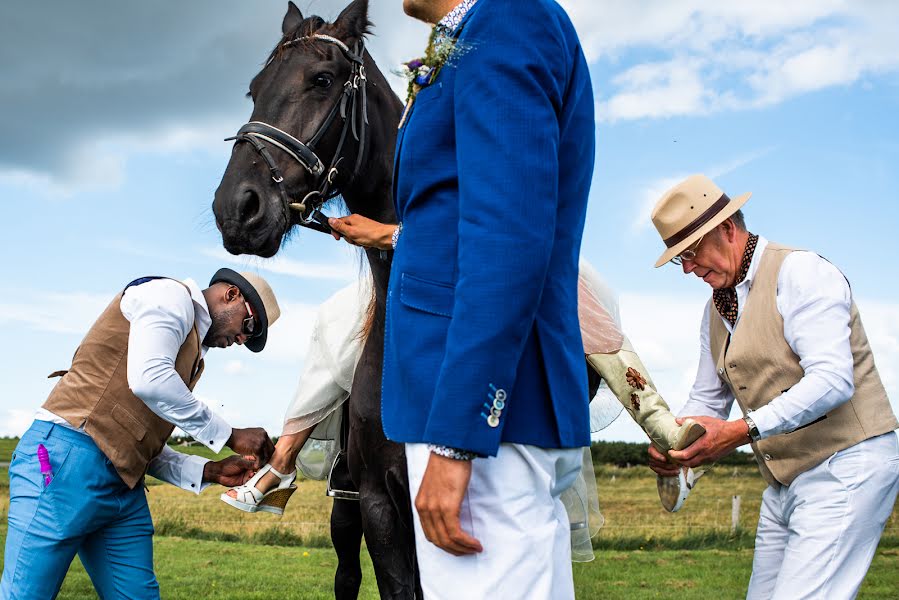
(85,509)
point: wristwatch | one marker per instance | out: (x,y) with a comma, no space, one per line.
(754,434)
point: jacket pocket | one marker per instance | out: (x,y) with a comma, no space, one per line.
(427,296)
(127,420)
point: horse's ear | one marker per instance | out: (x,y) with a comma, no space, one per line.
(353,21)
(292,19)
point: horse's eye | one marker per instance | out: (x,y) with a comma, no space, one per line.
(322,80)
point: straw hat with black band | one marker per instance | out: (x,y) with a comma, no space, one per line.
(690,210)
(259,294)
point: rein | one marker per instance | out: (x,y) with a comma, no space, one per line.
(352,108)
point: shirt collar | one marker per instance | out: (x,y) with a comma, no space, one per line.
(754,263)
(201,310)
(455,16)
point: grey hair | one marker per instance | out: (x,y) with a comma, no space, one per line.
(739,220)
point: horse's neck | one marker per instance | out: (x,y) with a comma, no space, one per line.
(371,194)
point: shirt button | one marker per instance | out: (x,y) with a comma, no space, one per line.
(193,485)
(211,442)
(767,456)
(721,371)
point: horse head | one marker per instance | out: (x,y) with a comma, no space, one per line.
(309,136)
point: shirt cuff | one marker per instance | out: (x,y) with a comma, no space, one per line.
(215,434)
(192,474)
(453,453)
(767,421)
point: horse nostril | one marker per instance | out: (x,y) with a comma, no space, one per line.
(248,205)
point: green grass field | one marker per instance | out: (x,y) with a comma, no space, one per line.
(204,548)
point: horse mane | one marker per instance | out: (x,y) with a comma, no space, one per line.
(308,27)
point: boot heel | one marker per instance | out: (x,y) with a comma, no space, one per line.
(689,432)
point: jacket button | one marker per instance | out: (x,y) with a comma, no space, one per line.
(501,395)
(499,404)
(493,420)
(767,456)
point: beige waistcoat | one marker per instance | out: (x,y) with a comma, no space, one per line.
(758,365)
(94,394)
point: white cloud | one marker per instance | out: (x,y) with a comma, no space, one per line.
(235,367)
(710,56)
(15,421)
(288,339)
(335,271)
(55,312)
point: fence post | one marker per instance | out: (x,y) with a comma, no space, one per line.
(735,514)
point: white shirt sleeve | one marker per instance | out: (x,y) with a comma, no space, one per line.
(161,313)
(182,470)
(814,299)
(710,396)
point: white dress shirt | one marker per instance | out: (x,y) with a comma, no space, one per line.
(814,299)
(162,315)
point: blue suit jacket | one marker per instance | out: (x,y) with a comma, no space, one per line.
(493,169)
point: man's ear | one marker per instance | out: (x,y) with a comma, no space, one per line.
(231,294)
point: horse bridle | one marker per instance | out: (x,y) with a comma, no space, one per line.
(353,110)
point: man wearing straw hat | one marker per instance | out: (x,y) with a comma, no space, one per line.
(782,336)
(76,479)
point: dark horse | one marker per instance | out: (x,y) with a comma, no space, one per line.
(321,86)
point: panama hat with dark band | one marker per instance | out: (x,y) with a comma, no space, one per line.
(258,293)
(690,210)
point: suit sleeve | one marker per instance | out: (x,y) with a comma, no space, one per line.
(508,94)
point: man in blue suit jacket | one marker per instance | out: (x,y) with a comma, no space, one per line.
(483,356)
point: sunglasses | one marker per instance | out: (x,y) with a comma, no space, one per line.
(688,254)
(249,324)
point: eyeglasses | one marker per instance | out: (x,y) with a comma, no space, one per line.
(249,324)
(688,254)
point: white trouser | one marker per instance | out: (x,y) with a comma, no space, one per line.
(817,536)
(512,507)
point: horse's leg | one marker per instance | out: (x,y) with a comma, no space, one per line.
(387,523)
(378,467)
(346,534)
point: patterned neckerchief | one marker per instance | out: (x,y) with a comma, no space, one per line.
(726,298)
(452,19)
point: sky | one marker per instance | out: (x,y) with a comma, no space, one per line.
(113,115)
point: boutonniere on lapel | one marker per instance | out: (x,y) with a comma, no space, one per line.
(421,72)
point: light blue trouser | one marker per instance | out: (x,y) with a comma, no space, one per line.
(86,509)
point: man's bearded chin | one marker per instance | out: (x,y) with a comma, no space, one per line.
(219,319)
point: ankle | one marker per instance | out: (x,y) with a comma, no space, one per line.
(282,467)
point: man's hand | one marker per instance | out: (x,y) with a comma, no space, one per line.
(659,463)
(720,438)
(362,231)
(252,441)
(439,502)
(229,472)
